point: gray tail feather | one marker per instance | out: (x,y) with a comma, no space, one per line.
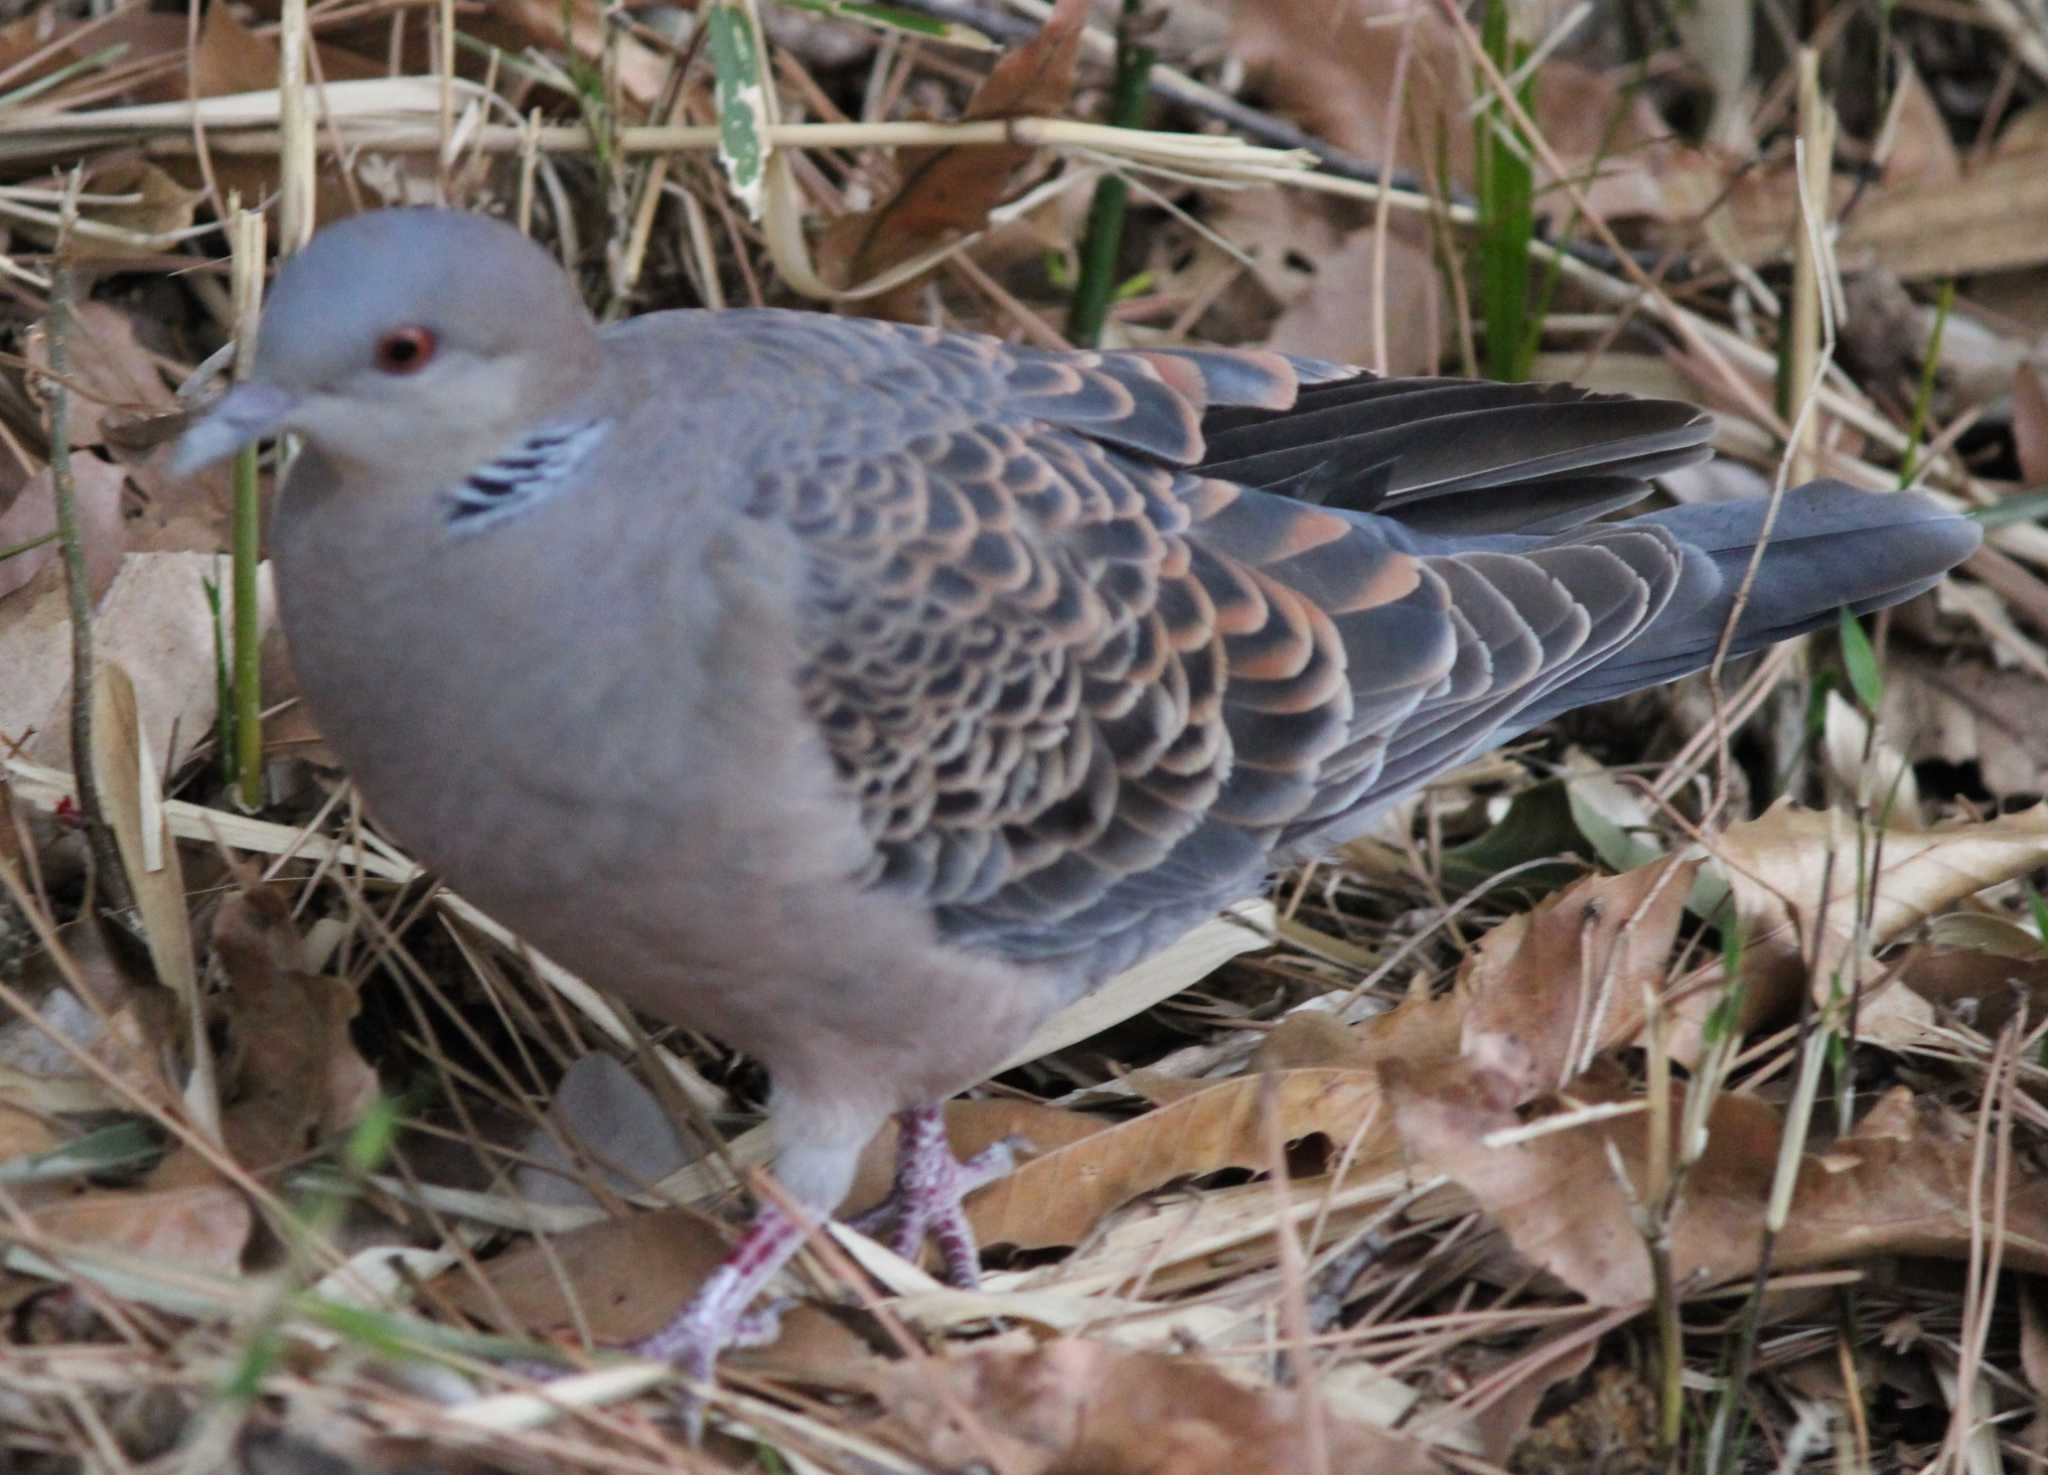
(1832,546)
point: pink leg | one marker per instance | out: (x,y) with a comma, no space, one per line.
(717,1317)
(930,1182)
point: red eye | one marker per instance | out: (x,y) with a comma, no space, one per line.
(405,350)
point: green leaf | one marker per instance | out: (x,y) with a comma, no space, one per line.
(1860,659)
(742,105)
(123,1145)
(370,1143)
(1539,823)
(2038,909)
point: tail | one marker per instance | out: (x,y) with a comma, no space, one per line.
(1831,546)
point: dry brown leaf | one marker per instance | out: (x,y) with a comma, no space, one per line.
(1329,66)
(1969,713)
(142,38)
(1979,989)
(1600,124)
(198,1227)
(1776,865)
(23,1133)
(628,1277)
(516,25)
(158,209)
(114,379)
(949,191)
(1075,1407)
(96,495)
(1552,987)
(293,1025)
(1503,1423)
(1057,1197)
(294,1077)
(1993,219)
(1921,150)
(1899,1184)
(1334,318)
(231,58)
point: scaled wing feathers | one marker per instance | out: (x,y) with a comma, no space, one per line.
(1081,674)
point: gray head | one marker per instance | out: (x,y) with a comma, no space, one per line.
(407,336)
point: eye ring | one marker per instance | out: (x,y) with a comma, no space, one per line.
(406,350)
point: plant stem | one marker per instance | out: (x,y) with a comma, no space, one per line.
(248,530)
(1923,400)
(1104,240)
(108,875)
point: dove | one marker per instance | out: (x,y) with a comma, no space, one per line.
(860,694)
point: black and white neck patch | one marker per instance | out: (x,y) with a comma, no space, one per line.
(532,468)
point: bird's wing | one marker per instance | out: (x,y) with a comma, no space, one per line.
(1078,677)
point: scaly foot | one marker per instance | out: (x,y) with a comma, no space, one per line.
(924,1203)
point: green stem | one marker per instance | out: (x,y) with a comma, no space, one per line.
(1103,242)
(1923,402)
(248,537)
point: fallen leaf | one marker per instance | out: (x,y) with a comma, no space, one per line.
(1075,1407)
(2030,423)
(623,1279)
(96,495)
(1552,987)
(113,378)
(294,1077)
(201,1227)
(1922,152)
(949,191)
(627,1275)
(1334,319)
(1057,1197)
(1979,989)
(1328,65)
(1899,1184)
(231,58)
(1794,874)
(1967,713)
(154,208)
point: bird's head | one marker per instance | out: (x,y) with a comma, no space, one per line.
(400,340)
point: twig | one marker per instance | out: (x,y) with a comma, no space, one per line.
(116,898)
